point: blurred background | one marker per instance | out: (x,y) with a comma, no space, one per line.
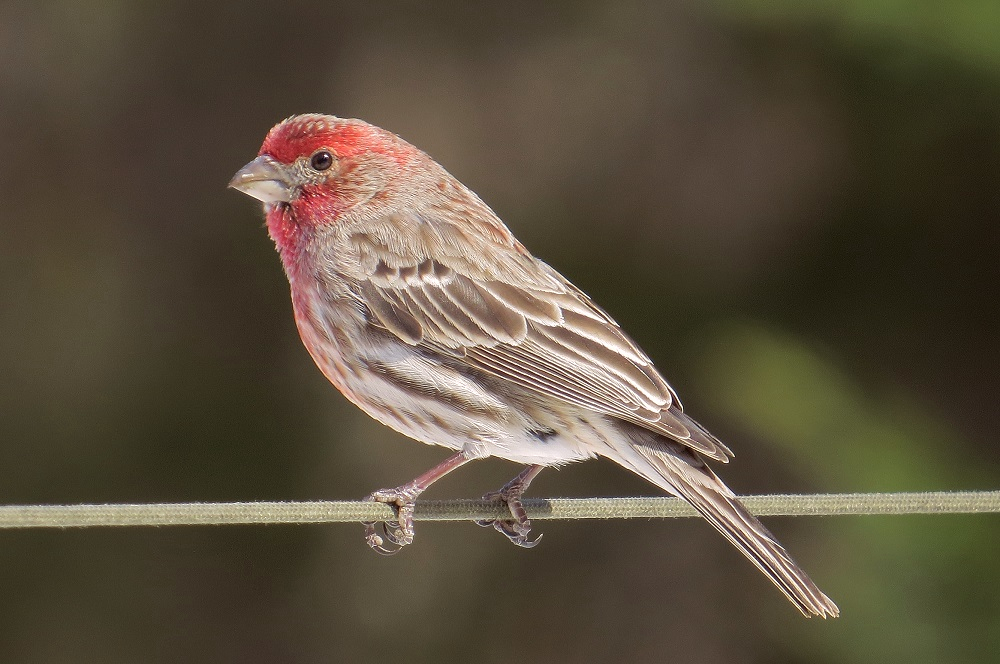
(793,208)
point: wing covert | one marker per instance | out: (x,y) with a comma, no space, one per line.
(548,338)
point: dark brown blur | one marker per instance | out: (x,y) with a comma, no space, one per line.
(794,211)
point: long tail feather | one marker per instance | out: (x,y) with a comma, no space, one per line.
(681,472)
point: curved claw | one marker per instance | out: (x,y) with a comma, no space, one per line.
(516,532)
(393,536)
(376,541)
(518,528)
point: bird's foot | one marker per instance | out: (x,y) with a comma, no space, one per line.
(388,538)
(518,528)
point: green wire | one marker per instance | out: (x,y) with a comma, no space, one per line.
(190,514)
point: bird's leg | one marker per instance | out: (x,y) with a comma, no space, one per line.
(402,499)
(518,528)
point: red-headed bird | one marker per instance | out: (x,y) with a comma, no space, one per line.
(418,304)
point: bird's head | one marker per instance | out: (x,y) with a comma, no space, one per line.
(316,167)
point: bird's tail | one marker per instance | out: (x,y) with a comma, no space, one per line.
(679,471)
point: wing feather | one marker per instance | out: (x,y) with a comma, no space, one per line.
(385,305)
(531,305)
(505,324)
(541,334)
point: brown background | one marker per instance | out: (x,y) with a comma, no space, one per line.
(794,211)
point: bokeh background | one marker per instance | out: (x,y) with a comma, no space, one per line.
(792,206)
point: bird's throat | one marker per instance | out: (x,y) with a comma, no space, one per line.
(286,232)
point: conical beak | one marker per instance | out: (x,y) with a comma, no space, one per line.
(264,179)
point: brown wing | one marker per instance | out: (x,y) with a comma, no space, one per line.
(518,319)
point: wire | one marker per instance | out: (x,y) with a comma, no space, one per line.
(191,514)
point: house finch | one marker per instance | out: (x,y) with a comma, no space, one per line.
(418,304)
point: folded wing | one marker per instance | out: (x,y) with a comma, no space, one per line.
(518,319)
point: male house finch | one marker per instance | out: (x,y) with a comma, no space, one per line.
(416,301)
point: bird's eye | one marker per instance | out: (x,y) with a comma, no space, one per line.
(321,161)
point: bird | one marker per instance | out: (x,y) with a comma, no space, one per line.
(417,302)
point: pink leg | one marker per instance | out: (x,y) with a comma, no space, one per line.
(403,500)
(518,528)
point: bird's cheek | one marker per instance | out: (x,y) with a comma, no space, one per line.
(315,206)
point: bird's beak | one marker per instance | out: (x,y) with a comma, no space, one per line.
(265,179)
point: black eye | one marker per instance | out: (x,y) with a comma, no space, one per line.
(321,161)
